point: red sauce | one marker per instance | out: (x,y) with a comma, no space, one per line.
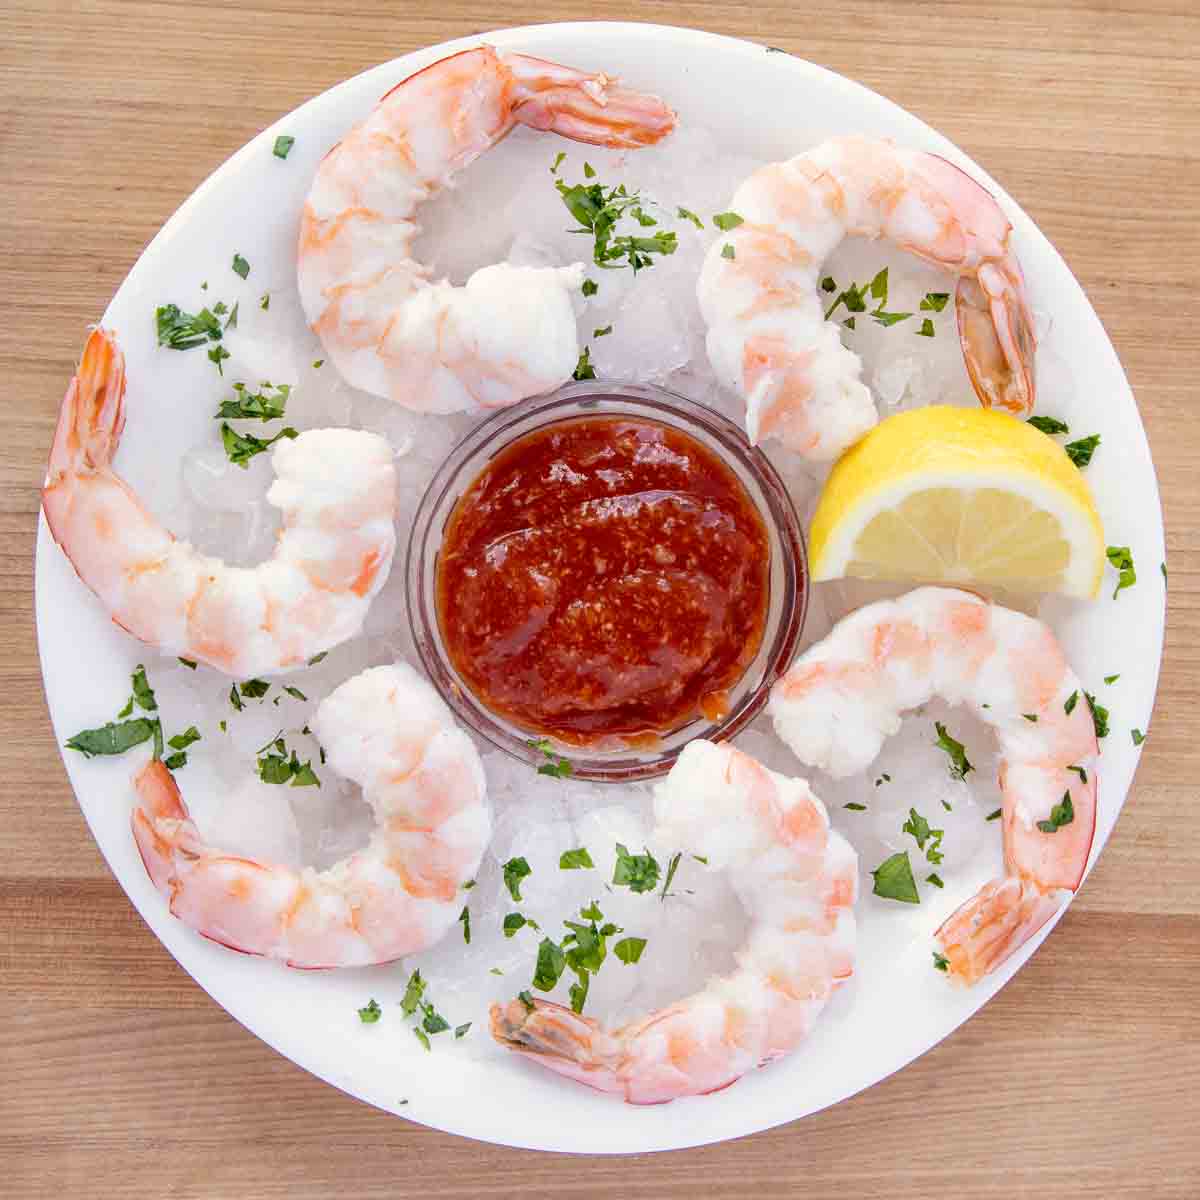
(604,580)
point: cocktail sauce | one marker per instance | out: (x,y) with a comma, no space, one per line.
(603,581)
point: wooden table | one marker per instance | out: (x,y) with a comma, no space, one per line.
(120,1078)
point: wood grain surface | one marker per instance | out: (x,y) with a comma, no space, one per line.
(119,1077)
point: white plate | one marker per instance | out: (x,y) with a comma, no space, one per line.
(767,104)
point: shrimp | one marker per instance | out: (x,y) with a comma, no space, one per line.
(510,331)
(768,338)
(389,731)
(798,881)
(336,491)
(844,696)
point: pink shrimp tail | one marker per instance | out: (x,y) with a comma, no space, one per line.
(995,328)
(160,798)
(93,410)
(585,108)
(1000,918)
(557,1038)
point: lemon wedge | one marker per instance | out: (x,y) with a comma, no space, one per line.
(961,496)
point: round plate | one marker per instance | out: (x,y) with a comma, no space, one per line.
(767,104)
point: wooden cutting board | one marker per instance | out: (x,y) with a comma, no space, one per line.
(120,1078)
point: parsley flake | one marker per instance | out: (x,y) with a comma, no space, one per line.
(934,301)
(514,871)
(926,329)
(1138,736)
(370,1013)
(584,368)
(940,962)
(575,860)
(894,879)
(727,220)
(1081,451)
(629,949)
(727,251)
(1122,560)
(465,918)
(240,266)
(590,287)
(1049,425)
(1060,815)
(853,807)
(283,146)
(638,872)
(960,765)
(686,214)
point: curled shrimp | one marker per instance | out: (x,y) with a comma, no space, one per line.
(768,338)
(798,881)
(842,698)
(510,331)
(334,487)
(389,731)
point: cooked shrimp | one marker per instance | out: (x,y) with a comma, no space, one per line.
(798,881)
(510,331)
(390,732)
(844,696)
(768,338)
(336,491)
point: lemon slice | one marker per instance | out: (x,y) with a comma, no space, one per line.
(959,495)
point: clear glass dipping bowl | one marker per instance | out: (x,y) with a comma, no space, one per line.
(788,588)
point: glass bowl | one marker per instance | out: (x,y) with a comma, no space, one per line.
(788,569)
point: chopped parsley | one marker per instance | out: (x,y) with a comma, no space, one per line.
(828,285)
(115,737)
(551,963)
(727,220)
(294,692)
(960,765)
(1070,702)
(1049,425)
(994,815)
(179,330)
(1030,717)
(1111,679)
(370,1013)
(1060,815)
(1081,772)
(267,405)
(853,297)
(584,368)
(602,332)
(1122,560)
(240,448)
(935,879)
(1081,451)
(629,949)
(922,833)
(276,764)
(556,766)
(727,251)
(465,918)
(514,922)
(590,287)
(672,867)
(589,172)
(926,329)
(638,872)
(235,699)
(934,301)
(1138,736)
(180,742)
(461,1030)
(283,146)
(598,209)
(254,689)
(558,161)
(527,1000)
(940,962)
(575,860)
(1099,715)
(265,302)
(686,214)
(853,807)
(217,355)
(884,777)
(514,871)
(412,994)
(316,658)
(878,288)
(187,662)
(894,879)
(240,266)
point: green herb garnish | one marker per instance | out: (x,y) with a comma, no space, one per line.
(960,765)
(514,871)
(853,807)
(240,266)
(934,301)
(1080,452)
(241,448)
(629,949)
(267,405)
(1060,815)
(686,214)
(179,330)
(1049,425)
(465,918)
(940,962)
(894,879)
(926,329)
(672,867)
(1138,736)
(727,220)
(584,368)
(638,872)
(575,860)
(1099,715)
(283,146)
(727,251)
(371,1013)
(1122,560)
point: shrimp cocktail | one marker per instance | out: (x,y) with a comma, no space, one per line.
(614,766)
